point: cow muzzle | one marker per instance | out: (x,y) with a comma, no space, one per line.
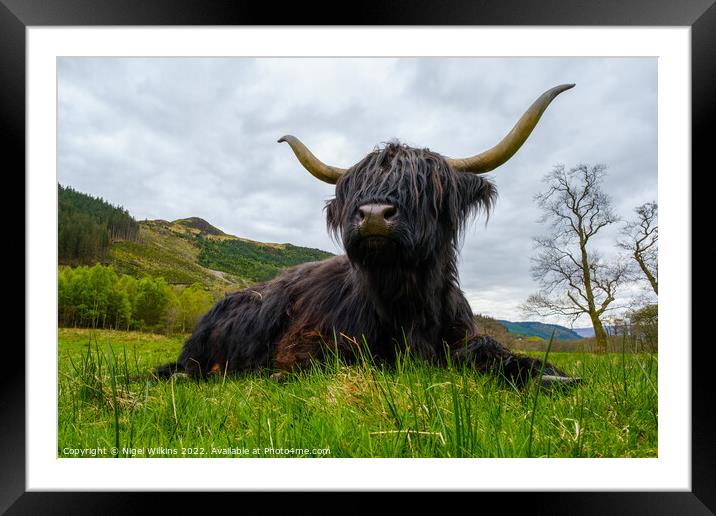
(376,220)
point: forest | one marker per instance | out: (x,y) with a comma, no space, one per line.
(87,225)
(98,297)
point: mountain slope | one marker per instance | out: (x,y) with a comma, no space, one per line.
(191,250)
(200,225)
(253,260)
(167,250)
(538,329)
(584,332)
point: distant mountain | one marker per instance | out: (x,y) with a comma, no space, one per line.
(589,331)
(584,332)
(541,330)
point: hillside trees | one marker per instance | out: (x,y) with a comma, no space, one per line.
(87,225)
(254,261)
(574,279)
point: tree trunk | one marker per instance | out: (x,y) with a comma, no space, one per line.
(599,334)
(647,273)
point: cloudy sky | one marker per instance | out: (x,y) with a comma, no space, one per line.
(175,138)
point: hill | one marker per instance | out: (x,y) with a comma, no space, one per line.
(183,252)
(541,330)
(191,250)
(200,225)
(168,250)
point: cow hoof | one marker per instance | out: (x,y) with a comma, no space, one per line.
(551,382)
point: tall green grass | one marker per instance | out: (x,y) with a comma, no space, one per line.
(107,399)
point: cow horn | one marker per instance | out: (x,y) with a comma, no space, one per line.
(311,163)
(500,153)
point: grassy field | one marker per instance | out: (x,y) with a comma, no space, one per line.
(107,399)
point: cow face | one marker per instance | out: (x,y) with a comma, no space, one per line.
(400,206)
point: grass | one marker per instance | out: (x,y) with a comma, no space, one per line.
(107,399)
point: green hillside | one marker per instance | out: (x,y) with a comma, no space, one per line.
(168,250)
(541,330)
(191,250)
(253,260)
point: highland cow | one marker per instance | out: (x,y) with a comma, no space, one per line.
(399,214)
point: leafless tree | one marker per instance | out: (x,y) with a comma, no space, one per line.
(574,280)
(640,236)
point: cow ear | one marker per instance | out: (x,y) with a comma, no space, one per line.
(477,193)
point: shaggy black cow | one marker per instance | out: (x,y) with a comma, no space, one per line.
(399,213)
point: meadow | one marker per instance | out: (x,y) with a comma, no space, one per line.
(109,405)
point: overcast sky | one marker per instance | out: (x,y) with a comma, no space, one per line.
(175,138)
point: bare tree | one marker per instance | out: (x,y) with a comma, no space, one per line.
(641,239)
(574,280)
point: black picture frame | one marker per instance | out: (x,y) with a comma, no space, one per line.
(17,15)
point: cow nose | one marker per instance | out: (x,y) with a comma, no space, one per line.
(379,211)
(376,219)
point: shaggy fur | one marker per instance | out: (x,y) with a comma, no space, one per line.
(389,292)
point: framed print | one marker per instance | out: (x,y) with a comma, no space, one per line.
(141,116)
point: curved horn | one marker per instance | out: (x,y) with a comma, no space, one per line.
(311,163)
(500,153)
